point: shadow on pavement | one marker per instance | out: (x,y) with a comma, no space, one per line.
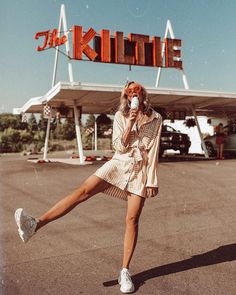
(219,255)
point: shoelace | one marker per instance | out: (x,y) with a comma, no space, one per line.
(126,276)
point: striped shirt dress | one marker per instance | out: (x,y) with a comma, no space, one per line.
(133,167)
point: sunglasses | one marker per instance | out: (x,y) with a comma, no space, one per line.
(135,89)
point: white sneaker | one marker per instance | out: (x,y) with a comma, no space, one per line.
(26,224)
(126,284)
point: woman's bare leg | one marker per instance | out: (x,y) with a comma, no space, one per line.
(91,186)
(134,209)
(221,151)
(218,151)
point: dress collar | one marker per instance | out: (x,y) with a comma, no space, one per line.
(147,119)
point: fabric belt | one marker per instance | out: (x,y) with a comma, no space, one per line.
(140,160)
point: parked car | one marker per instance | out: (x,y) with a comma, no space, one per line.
(229,145)
(173,139)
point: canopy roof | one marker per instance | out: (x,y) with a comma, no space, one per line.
(104,98)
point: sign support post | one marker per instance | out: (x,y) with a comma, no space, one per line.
(63,24)
(169,30)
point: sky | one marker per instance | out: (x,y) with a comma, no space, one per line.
(207,29)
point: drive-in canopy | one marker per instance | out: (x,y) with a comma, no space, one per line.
(104,98)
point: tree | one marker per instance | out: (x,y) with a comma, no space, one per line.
(58,132)
(42,125)
(5,144)
(8,120)
(104,123)
(10,141)
(32,123)
(26,137)
(68,130)
(88,132)
(190,122)
(90,121)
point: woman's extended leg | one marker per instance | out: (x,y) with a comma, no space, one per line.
(91,186)
(134,209)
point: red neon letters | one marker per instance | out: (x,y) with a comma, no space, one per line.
(50,39)
(137,49)
(80,43)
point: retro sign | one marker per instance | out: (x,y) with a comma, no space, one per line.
(137,49)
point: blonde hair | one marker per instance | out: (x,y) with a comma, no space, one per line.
(124,102)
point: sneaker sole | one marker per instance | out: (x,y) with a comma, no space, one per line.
(18,214)
(125,291)
(18,218)
(21,234)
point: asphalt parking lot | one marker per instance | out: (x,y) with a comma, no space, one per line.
(186,242)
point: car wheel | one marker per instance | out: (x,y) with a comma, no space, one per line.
(210,149)
(184,151)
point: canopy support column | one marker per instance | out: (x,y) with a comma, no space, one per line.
(200,133)
(45,152)
(78,135)
(95,133)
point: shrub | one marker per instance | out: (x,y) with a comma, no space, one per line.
(26,137)
(10,141)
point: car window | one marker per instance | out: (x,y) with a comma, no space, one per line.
(170,129)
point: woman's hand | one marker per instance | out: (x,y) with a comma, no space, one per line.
(152,191)
(131,120)
(132,116)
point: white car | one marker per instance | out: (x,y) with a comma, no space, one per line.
(229,145)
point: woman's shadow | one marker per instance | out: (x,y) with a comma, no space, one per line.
(218,255)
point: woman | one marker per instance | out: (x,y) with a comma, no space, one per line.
(220,140)
(130,175)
